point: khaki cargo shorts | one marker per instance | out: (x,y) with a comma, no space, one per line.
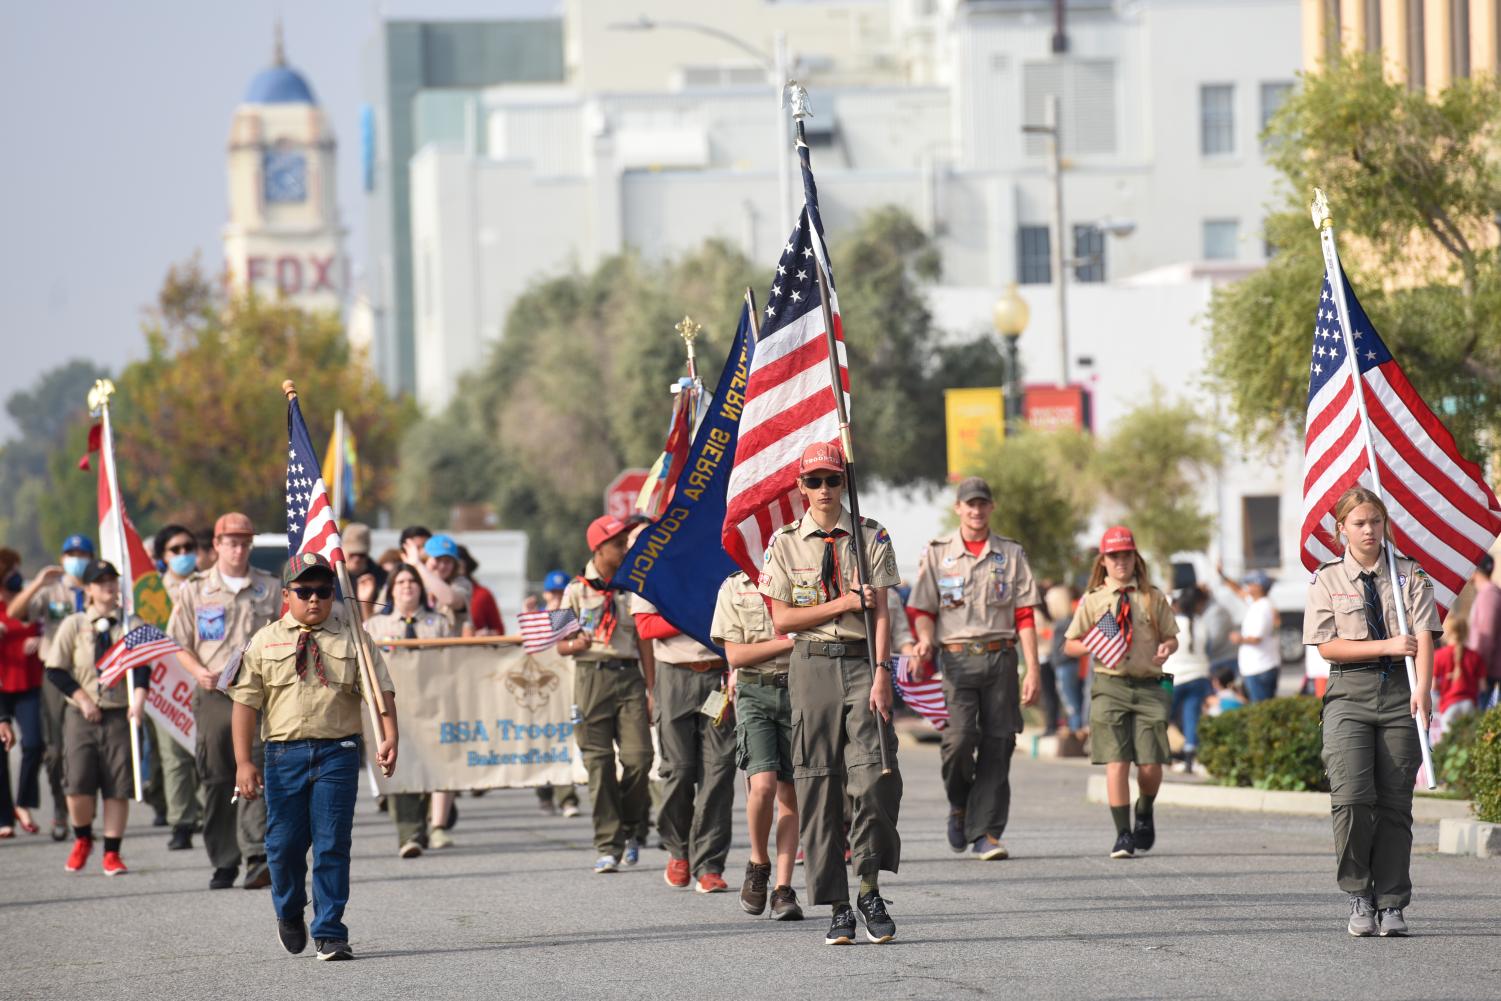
(1128,720)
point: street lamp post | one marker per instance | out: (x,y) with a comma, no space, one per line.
(1010,317)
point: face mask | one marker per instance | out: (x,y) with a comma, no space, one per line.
(74,566)
(14,583)
(183,564)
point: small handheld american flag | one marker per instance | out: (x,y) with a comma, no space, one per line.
(924,697)
(540,630)
(141,647)
(1106,641)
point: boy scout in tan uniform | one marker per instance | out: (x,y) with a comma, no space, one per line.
(301,677)
(696,751)
(216,613)
(611,695)
(837,703)
(975,593)
(1371,745)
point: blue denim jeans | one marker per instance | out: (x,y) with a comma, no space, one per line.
(26,707)
(1188,706)
(1071,691)
(310,791)
(1260,687)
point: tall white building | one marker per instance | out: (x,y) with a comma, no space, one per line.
(284,238)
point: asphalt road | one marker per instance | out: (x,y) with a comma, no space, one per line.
(1228,905)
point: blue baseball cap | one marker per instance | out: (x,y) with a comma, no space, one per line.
(79,544)
(556,580)
(441,545)
(1260,578)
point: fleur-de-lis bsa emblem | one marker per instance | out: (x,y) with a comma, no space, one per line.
(532,686)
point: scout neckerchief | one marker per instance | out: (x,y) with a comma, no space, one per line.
(1375,619)
(1123,613)
(830,575)
(102,640)
(306,645)
(411,624)
(605,628)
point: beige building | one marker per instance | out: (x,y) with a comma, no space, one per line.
(1428,43)
(284,238)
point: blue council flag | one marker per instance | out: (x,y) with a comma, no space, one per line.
(679,562)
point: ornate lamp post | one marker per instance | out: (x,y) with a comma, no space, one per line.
(1010,317)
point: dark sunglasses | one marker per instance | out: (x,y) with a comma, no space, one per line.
(322,592)
(186,547)
(832,479)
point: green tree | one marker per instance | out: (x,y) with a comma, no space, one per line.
(1152,466)
(1414,185)
(1044,492)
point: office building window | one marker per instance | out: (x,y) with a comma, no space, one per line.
(1261,534)
(1089,247)
(1217,119)
(1033,263)
(1221,237)
(1273,96)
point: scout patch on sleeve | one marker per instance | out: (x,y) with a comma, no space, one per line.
(211,622)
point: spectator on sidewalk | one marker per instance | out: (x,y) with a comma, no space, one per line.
(20,701)
(1189,666)
(1259,657)
(1458,674)
(1485,630)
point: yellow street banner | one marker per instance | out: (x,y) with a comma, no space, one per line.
(969,415)
(480,717)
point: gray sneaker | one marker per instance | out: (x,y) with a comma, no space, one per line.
(1393,924)
(1362,916)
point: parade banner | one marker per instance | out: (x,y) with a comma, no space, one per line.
(169,701)
(485,716)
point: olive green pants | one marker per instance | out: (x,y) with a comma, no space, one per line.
(1372,755)
(611,700)
(835,749)
(409,814)
(697,769)
(179,767)
(983,696)
(54,704)
(230,830)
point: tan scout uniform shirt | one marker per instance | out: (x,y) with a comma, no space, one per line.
(463,587)
(974,598)
(304,708)
(73,651)
(1152,622)
(741,616)
(52,603)
(590,607)
(391,626)
(216,623)
(679,649)
(1336,601)
(794,570)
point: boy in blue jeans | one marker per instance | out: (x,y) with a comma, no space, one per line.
(301,672)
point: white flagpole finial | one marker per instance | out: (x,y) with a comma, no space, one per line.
(795,95)
(1319,209)
(99,396)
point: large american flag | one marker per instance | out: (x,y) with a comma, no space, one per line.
(542,629)
(923,697)
(1106,641)
(311,527)
(1443,513)
(789,399)
(141,647)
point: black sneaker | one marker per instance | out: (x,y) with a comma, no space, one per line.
(753,890)
(842,930)
(223,877)
(878,924)
(293,934)
(1125,846)
(160,820)
(334,949)
(182,839)
(784,905)
(957,841)
(257,873)
(1145,834)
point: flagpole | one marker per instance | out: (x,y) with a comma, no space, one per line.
(375,699)
(99,401)
(338,484)
(1325,222)
(800,111)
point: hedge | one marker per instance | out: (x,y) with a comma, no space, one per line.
(1483,769)
(1275,744)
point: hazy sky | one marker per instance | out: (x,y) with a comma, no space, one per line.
(113,167)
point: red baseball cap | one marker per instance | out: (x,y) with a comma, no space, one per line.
(233,523)
(603,529)
(821,455)
(1117,540)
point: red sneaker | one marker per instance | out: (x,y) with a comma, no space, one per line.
(114,865)
(677,873)
(711,882)
(82,849)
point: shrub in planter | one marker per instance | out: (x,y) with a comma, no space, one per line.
(1452,755)
(1484,771)
(1222,747)
(1275,744)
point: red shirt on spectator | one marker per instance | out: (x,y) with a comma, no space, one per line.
(19,671)
(484,612)
(1457,682)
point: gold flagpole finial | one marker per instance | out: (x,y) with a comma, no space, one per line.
(99,396)
(1319,210)
(688,330)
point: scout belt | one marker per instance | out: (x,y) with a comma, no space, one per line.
(771,679)
(609,665)
(980,646)
(852,648)
(698,666)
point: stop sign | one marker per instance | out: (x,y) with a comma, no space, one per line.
(621,494)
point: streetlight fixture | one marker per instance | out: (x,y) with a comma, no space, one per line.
(776,64)
(1010,316)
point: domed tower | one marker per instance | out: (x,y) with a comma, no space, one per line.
(284,238)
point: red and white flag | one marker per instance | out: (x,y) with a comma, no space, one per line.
(141,589)
(789,397)
(140,647)
(1106,641)
(542,629)
(311,526)
(923,697)
(1443,513)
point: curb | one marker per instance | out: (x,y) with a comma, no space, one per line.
(1310,804)
(1469,837)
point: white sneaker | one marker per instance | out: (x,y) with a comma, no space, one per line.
(570,809)
(606,863)
(440,838)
